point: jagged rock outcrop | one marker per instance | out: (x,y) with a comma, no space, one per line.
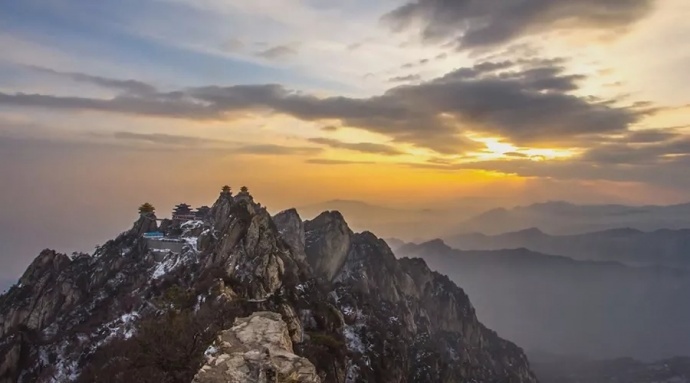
(291,228)
(407,323)
(257,349)
(146,223)
(11,351)
(327,243)
(43,293)
(341,300)
(246,243)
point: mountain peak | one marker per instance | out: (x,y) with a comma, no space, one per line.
(48,264)
(341,299)
(435,245)
(327,243)
(530,232)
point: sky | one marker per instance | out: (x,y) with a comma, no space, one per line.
(405,103)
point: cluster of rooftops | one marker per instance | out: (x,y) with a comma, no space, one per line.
(184,212)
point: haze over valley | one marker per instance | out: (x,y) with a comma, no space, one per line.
(323,191)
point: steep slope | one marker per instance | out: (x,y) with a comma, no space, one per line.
(661,247)
(559,305)
(388,303)
(135,312)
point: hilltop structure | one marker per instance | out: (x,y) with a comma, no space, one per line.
(314,302)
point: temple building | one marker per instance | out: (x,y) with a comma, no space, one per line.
(183,212)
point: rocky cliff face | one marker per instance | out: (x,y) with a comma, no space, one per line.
(256,349)
(344,309)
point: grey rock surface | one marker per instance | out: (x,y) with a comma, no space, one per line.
(257,349)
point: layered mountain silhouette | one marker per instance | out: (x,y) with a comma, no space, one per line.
(630,246)
(574,369)
(567,218)
(251,298)
(564,306)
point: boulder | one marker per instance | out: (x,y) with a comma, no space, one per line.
(257,349)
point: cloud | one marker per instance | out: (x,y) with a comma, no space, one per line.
(278,150)
(354,46)
(481,23)
(619,159)
(168,139)
(278,52)
(526,102)
(133,87)
(233,45)
(651,135)
(163,105)
(364,147)
(636,153)
(408,78)
(323,161)
(516,155)
(330,128)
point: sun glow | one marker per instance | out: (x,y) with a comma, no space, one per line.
(496,149)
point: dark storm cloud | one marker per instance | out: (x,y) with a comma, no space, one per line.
(482,23)
(525,102)
(278,52)
(364,147)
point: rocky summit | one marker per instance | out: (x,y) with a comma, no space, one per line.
(236,295)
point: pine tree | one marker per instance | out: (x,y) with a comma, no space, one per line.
(146,208)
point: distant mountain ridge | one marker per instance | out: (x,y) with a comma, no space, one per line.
(410,223)
(564,369)
(471,216)
(561,305)
(664,247)
(560,218)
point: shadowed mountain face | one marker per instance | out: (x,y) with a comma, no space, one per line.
(559,305)
(133,312)
(630,246)
(566,218)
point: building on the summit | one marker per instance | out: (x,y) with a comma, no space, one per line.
(182,213)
